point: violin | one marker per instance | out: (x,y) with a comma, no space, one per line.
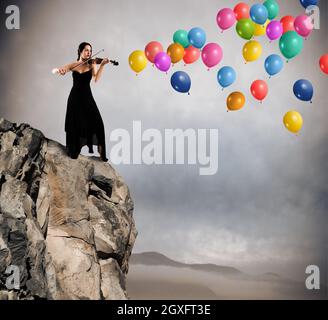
(90,61)
(100,60)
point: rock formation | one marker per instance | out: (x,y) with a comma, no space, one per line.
(66,225)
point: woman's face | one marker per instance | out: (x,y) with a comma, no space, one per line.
(86,53)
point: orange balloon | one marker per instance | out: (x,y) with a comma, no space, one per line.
(152,49)
(191,55)
(235,101)
(176,52)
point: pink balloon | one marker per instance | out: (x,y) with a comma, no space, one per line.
(274,30)
(226,18)
(162,61)
(212,54)
(303,25)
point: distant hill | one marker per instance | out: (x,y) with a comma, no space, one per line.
(158,259)
(154,276)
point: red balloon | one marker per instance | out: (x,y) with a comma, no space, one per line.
(287,23)
(324,63)
(259,89)
(241,11)
(152,49)
(191,55)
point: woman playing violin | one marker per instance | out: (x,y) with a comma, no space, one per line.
(83,122)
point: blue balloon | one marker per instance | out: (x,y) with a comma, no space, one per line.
(303,90)
(273,64)
(306,3)
(181,82)
(226,76)
(259,14)
(197,37)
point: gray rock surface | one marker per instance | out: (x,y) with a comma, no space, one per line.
(67,225)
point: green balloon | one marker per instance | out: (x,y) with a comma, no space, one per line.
(245,28)
(181,37)
(273,8)
(291,44)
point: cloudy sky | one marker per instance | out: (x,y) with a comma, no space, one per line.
(266,208)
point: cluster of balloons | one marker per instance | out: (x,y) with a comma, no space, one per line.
(186,46)
(250,21)
(194,44)
(259,20)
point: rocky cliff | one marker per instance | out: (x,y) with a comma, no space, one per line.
(66,226)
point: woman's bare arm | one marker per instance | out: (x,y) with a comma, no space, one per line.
(66,68)
(97,73)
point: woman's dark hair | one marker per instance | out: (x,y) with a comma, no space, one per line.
(81,48)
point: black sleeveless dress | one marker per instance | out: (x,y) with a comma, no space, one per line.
(83,122)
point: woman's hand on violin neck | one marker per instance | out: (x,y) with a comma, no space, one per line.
(105,61)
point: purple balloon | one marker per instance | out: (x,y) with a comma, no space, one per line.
(274,30)
(162,61)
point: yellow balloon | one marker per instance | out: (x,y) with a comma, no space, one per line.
(137,61)
(176,52)
(260,30)
(293,121)
(235,101)
(252,50)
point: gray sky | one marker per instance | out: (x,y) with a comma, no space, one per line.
(266,208)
